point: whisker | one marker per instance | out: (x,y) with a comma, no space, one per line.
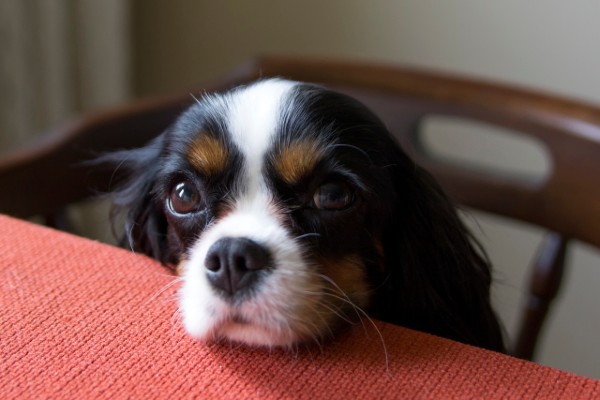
(167,275)
(313,330)
(176,318)
(162,290)
(130,237)
(195,98)
(364,153)
(114,173)
(353,306)
(363,312)
(338,311)
(346,299)
(315,234)
(317,340)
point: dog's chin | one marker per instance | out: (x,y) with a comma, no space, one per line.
(242,330)
(256,335)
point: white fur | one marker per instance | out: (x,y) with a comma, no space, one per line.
(253,115)
(276,315)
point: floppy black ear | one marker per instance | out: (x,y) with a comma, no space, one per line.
(437,277)
(144,227)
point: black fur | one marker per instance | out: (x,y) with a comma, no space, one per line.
(432,276)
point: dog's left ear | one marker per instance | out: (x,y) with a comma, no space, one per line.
(437,278)
(144,223)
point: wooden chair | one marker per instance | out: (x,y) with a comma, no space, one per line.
(44,178)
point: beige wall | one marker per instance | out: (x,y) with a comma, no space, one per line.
(552,45)
(58,58)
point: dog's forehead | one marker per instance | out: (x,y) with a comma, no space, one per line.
(287,127)
(254,114)
(242,121)
(273,121)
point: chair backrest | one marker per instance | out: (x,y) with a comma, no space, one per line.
(43,178)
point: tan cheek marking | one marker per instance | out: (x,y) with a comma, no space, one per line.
(321,316)
(297,160)
(380,254)
(349,275)
(180,267)
(208,155)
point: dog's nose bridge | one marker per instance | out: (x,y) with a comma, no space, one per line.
(233,264)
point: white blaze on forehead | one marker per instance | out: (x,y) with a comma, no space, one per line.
(253,117)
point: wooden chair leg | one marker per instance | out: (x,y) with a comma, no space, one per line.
(544,285)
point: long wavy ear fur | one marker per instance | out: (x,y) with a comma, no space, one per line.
(144,227)
(438,277)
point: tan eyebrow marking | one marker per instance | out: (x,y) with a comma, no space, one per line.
(296,160)
(208,154)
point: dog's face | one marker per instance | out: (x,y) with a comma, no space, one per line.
(270,194)
(282,204)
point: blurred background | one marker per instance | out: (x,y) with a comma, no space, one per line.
(59,58)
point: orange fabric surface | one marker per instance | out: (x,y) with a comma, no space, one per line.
(80,319)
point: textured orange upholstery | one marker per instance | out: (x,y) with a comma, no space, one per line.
(81,319)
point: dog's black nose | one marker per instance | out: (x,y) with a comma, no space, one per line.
(234,264)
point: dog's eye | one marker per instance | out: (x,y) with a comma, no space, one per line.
(184,198)
(333,196)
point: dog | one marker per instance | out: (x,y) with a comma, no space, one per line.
(290,211)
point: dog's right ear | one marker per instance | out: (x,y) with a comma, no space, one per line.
(133,201)
(438,277)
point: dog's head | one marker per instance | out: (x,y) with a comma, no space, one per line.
(290,211)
